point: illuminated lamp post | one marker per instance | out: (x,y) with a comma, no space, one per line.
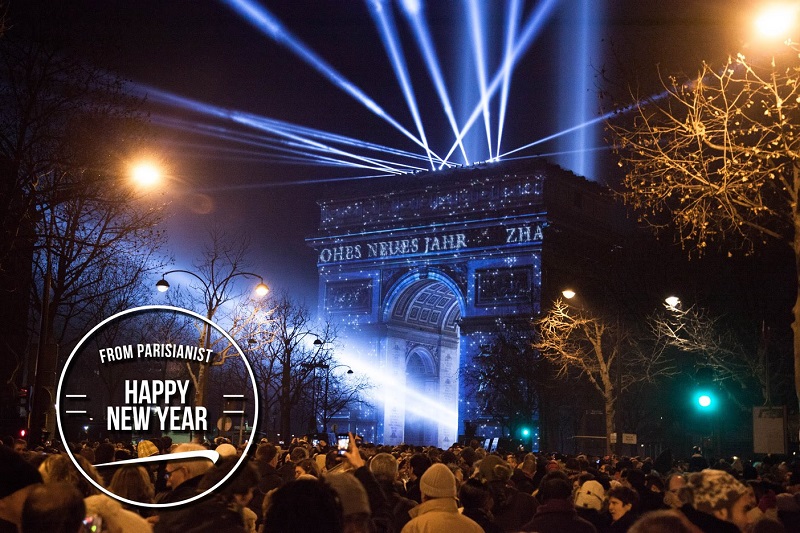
(214,297)
(569,294)
(327,368)
(776,20)
(41,398)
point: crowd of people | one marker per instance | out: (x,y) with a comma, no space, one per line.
(370,488)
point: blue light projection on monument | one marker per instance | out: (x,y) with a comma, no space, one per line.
(417,278)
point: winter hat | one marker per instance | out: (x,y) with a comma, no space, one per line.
(492,468)
(438,482)
(226,450)
(714,490)
(146,449)
(351,493)
(15,472)
(590,495)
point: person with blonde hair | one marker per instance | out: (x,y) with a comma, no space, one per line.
(59,468)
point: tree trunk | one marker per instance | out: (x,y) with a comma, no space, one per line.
(796,309)
(202,375)
(286,417)
(610,417)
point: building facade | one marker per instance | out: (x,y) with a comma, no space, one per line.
(417,277)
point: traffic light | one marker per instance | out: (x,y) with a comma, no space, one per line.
(705,398)
(23,398)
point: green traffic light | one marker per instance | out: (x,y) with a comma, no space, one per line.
(705,400)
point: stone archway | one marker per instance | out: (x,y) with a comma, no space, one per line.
(422,319)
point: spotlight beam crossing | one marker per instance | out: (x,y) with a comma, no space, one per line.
(425,43)
(511,30)
(265,21)
(480,65)
(528,34)
(276,127)
(382,15)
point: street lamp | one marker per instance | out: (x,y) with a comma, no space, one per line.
(44,360)
(776,21)
(327,368)
(162,285)
(145,174)
(214,297)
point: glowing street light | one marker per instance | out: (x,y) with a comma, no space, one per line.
(162,285)
(777,20)
(145,174)
(214,291)
(568,294)
(672,302)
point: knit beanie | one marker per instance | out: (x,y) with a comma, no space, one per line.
(15,472)
(146,449)
(590,495)
(438,482)
(714,490)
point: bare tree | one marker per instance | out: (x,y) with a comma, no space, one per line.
(506,378)
(717,157)
(732,362)
(215,293)
(74,239)
(583,345)
(297,370)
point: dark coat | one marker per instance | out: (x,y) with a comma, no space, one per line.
(706,522)
(286,471)
(399,505)
(412,491)
(623,524)
(512,508)
(207,515)
(522,482)
(378,503)
(558,516)
(484,519)
(169,519)
(269,479)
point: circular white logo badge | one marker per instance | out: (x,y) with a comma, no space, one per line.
(151,373)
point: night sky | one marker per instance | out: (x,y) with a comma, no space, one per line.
(205,51)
